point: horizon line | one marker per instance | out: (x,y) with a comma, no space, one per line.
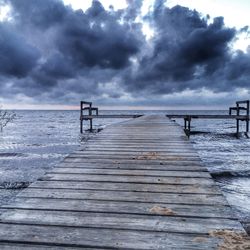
(108,107)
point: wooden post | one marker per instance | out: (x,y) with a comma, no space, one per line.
(247,120)
(185,124)
(81,121)
(89,108)
(237,120)
(189,126)
(90,120)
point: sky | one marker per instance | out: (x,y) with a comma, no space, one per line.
(174,54)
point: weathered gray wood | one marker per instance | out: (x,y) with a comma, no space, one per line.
(153,188)
(159,167)
(118,221)
(132,161)
(147,148)
(128,179)
(123,154)
(183,173)
(223,117)
(20,246)
(121,207)
(110,149)
(134,140)
(77,158)
(181,153)
(202,199)
(87,237)
(130,143)
(109,116)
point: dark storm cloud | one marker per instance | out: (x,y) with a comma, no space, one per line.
(72,45)
(239,66)
(51,52)
(96,39)
(185,49)
(42,14)
(17,57)
(56,66)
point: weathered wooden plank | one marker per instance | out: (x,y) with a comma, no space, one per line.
(119,221)
(170,134)
(153,188)
(167,136)
(140,145)
(129,179)
(133,161)
(160,167)
(20,246)
(87,237)
(134,148)
(130,172)
(142,140)
(96,141)
(223,117)
(121,207)
(142,130)
(166,129)
(137,144)
(138,158)
(111,148)
(202,199)
(110,116)
(139,154)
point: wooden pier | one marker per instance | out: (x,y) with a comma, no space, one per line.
(138,184)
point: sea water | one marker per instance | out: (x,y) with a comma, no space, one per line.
(38,140)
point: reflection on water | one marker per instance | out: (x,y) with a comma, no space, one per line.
(38,140)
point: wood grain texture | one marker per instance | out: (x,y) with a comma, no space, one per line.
(120,207)
(136,187)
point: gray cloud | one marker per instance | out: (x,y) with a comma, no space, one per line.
(187,52)
(70,46)
(17,57)
(42,14)
(53,53)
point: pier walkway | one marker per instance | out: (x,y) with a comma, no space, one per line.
(138,184)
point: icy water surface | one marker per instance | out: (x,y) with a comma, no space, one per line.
(37,140)
(34,143)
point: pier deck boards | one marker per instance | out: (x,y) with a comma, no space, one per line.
(136,185)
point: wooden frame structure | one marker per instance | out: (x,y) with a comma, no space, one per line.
(93,112)
(240,105)
(90,110)
(87,106)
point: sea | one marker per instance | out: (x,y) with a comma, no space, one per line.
(38,140)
